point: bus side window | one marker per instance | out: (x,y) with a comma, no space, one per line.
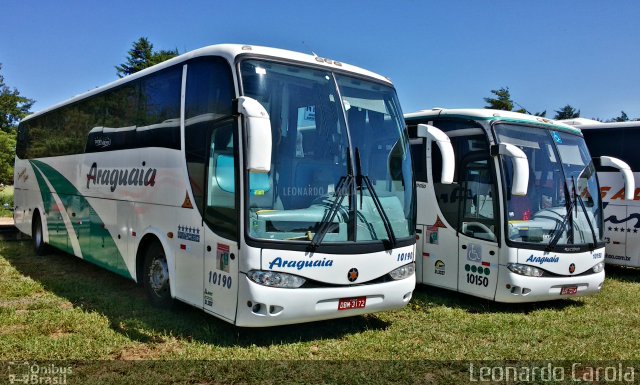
(210,157)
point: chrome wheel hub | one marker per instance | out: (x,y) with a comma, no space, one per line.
(159,275)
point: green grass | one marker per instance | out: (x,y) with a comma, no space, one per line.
(6,196)
(58,307)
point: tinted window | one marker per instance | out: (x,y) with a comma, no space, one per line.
(142,113)
(209,97)
(159,124)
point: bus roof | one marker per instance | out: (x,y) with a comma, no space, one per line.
(588,124)
(492,115)
(229,52)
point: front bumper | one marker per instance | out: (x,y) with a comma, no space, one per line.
(522,288)
(260,306)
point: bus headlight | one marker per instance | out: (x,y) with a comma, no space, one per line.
(275,279)
(599,267)
(527,270)
(403,271)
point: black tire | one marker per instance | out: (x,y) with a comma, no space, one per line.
(37,235)
(155,278)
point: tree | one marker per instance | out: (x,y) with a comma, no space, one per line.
(142,56)
(503,101)
(13,107)
(622,118)
(7,153)
(567,112)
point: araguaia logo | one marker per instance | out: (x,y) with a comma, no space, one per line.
(121,177)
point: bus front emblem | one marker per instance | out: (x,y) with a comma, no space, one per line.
(572,268)
(352,275)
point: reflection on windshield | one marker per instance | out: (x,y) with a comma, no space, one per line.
(318,121)
(562,203)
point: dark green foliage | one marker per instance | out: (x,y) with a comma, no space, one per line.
(142,56)
(503,101)
(13,107)
(622,118)
(567,112)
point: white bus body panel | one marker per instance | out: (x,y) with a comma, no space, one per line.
(621,220)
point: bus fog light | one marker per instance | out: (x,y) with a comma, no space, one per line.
(527,270)
(599,267)
(275,279)
(403,271)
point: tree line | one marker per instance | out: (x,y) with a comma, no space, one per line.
(14,107)
(502,100)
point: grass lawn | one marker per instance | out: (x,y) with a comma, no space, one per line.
(58,307)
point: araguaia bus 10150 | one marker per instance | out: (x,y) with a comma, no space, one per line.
(621,216)
(522,220)
(264,186)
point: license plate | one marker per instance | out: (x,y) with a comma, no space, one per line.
(569,290)
(352,303)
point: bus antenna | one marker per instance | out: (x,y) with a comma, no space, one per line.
(309,48)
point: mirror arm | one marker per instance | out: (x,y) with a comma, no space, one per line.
(623,167)
(446,149)
(520,166)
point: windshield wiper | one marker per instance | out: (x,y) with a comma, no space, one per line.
(557,232)
(343,188)
(584,209)
(360,179)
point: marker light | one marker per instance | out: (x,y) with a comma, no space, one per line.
(599,267)
(403,272)
(275,279)
(527,270)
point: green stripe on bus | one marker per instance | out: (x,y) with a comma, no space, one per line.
(58,236)
(96,243)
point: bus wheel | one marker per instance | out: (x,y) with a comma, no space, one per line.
(156,276)
(38,236)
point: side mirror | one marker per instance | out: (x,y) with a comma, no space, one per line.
(627,174)
(258,128)
(444,143)
(520,166)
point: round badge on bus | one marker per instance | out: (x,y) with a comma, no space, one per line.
(572,268)
(352,275)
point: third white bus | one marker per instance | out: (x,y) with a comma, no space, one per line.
(621,216)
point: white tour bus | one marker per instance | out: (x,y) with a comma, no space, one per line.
(522,220)
(621,217)
(264,186)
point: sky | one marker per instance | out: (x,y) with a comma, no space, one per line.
(449,54)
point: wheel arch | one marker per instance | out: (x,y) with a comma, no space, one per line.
(150,236)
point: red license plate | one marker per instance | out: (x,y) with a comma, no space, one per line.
(352,303)
(569,290)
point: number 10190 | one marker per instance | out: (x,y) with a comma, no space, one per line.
(220,279)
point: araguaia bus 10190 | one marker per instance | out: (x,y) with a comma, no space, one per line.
(264,186)
(522,220)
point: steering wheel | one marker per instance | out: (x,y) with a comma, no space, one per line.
(485,230)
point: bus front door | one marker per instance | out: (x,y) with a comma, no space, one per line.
(477,241)
(221,216)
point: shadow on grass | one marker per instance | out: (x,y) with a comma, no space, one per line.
(623,273)
(427,296)
(125,304)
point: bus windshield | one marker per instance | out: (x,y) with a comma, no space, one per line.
(340,163)
(562,205)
